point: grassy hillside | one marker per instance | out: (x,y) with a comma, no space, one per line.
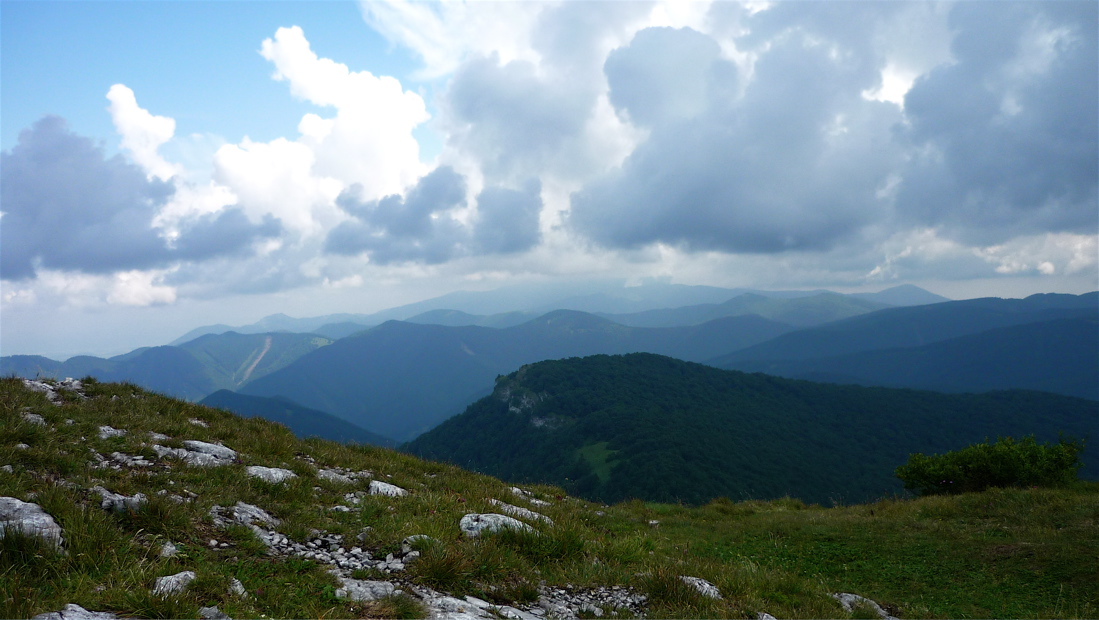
(1002,553)
(617,427)
(401,379)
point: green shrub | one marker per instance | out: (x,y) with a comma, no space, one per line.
(1006,463)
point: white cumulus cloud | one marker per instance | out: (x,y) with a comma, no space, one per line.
(142,133)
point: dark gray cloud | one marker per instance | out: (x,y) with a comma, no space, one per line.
(997,143)
(1009,131)
(507,219)
(513,119)
(398,229)
(68,207)
(667,75)
(794,163)
(415,228)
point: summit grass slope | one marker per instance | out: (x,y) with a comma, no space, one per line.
(1015,553)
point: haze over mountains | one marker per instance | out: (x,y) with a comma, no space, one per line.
(401,378)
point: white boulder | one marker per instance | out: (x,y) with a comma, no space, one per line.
(384,488)
(173,584)
(75,612)
(705,588)
(274,475)
(475,524)
(19,516)
(522,513)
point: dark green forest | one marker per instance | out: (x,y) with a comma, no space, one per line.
(612,428)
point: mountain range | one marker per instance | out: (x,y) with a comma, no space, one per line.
(402,378)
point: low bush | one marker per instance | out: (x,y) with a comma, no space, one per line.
(1005,463)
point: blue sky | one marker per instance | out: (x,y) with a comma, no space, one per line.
(195,61)
(168,164)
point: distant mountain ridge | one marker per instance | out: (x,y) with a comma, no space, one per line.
(611,428)
(915,326)
(1059,356)
(486,308)
(400,379)
(190,371)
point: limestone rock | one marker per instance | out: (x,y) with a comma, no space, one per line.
(34,418)
(198,453)
(850,601)
(364,590)
(173,584)
(474,524)
(705,588)
(75,612)
(119,503)
(378,487)
(29,518)
(237,588)
(274,475)
(442,607)
(168,550)
(332,475)
(212,613)
(44,388)
(217,451)
(527,495)
(106,432)
(522,513)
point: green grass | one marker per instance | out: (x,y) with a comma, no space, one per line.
(999,553)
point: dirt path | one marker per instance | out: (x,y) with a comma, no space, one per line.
(266,348)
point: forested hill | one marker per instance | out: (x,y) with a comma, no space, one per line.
(617,427)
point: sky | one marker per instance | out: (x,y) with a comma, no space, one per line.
(169,164)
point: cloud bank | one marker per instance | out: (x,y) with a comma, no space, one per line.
(835,143)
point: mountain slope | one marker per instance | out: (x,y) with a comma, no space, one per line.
(302,421)
(914,326)
(190,371)
(616,427)
(400,379)
(798,311)
(1059,356)
(234,359)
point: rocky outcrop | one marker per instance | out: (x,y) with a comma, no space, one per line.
(75,612)
(115,502)
(364,590)
(273,475)
(477,524)
(106,432)
(28,518)
(705,588)
(851,601)
(522,513)
(199,453)
(173,584)
(378,487)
